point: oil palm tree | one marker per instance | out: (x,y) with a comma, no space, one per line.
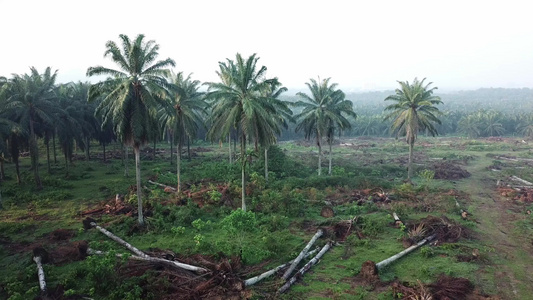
(323,111)
(339,109)
(413,111)
(238,103)
(183,114)
(131,94)
(283,113)
(30,102)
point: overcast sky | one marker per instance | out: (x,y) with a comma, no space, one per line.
(364,45)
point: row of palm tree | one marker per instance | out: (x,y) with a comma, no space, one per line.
(141,100)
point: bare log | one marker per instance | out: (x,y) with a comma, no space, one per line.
(115,238)
(162,185)
(305,268)
(269,273)
(525,182)
(393,258)
(155,260)
(302,254)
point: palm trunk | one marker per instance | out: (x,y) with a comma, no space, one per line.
(87,148)
(319,154)
(171,146)
(66,161)
(153,155)
(2,170)
(125,161)
(243,167)
(229,144)
(329,167)
(17,170)
(54,146)
(34,151)
(188,148)
(178,166)
(410,164)
(137,152)
(47,143)
(266,164)
(103,146)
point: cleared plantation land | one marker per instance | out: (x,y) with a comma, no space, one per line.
(491,246)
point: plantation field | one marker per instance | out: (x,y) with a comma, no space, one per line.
(490,245)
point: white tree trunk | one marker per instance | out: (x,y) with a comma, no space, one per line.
(271,272)
(393,258)
(137,151)
(40,273)
(518,179)
(119,240)
(302,254)
(229,146)
(410,164)
(126,172)
(243,186)
(155,260)
(305,268)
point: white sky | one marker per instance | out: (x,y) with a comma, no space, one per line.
(360,44)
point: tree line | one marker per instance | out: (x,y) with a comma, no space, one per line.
(141,100)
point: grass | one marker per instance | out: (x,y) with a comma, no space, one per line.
(278,234)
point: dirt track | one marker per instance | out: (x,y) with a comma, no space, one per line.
(511,258)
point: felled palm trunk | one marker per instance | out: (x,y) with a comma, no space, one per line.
(393,258)
(305,268)
(302,254)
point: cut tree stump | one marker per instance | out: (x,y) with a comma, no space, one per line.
(304,269)
(302,254)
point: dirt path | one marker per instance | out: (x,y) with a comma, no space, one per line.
(511,259)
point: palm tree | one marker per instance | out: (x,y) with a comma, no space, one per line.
(338,108)
(238,104)
(323,112)
(30,102)
(183,115)
(131,94)
(283,112)
(413,111)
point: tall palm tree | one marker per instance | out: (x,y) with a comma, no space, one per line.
(283,112)
(183,116)
(238,104)
(131,94)
(30,102)
(413,111)
(323,111)
(340,109)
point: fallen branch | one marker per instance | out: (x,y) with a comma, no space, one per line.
(301,255)
(162,185)
(269,273)
(40,256)
(304,269)
(154,260)
(393,258)
(89,223)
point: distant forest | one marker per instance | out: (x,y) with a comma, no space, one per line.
(475,113)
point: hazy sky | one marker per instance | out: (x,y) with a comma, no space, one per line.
(360,44)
